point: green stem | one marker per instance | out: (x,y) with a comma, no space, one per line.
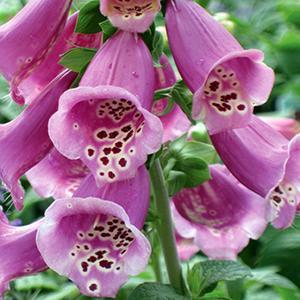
(156,264)
(165,227)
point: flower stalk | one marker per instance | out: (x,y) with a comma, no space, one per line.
(165,227)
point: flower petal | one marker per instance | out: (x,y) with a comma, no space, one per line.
(93,243)
(17,60)
(221,214)
(57,176)
(130,15)
(227,80)
(49,68)
(25,141)
(175,122)
(107,129)
(19,254)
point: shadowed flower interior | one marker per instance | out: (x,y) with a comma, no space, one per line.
(131,15)
(114,126)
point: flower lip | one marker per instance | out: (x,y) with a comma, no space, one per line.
(130,15)
(98,247)
(233,86)
(104,126)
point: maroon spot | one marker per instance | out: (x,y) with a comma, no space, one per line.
(224,76)
(119,144)
(128,136)
(99,228)
(114,102)
(93,287)
(107,150)
(234,84)
(126,128)
(241,107)
(72,253)
(123,252)
(90,234)
(81,234)
(219,70)
(84,266)
(109,223)
(77,246)
(86,247)
(118,268)
(105,234)
(116,150)
(91,152)
(111,175)
(102,134)
(123,162)
(277,199)
(105,264)
(112,228)
(122,222)
(92,259)
(129,239)
(214,85)
(101,173)
(278,190)
(115,221)
(104,160)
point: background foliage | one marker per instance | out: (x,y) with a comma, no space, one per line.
(274,27)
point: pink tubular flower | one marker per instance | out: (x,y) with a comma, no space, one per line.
(227,81)
(105,122)
(25,141)
(19,254)
(175,122)
(221,215)
(49,68)
(186,248)
(265,162)
(97,243)
(130,15)
(39,23)
(57,176)
(286,126)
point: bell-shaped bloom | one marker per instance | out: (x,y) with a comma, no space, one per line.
(49,68)
(25,141)
(130,15)
(286,126)
(57,176)
(19,253)
(97,241)
(267,163)
(105,122)
(227,81)
(221,215)
(175,122)
(37,25)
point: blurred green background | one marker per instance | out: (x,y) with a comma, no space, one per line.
(270,25)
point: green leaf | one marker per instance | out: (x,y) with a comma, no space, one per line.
(214,271)
(107,28)
(77,59)
(89,18)
(155,291)
(193,279)
(176,181)
(183,97)
(157,47)
(69,291)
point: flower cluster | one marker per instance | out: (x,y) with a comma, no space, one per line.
(87,144)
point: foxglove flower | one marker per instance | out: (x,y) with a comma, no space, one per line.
(267,163)
(221,215)
(57,176)
(105,122)
(25,141)
(175,122)
(130,15)
(40,23)
(49,67)
(19,254)
(227,81)
(98,243)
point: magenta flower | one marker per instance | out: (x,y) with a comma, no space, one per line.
(98,243)
(105,122)
(175,122)
(63,176)
(49,67)
(221,215)
(265,162)
(25,141)
(40,22)
(19,254)
(130,15)
(227,81)
(186,248)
